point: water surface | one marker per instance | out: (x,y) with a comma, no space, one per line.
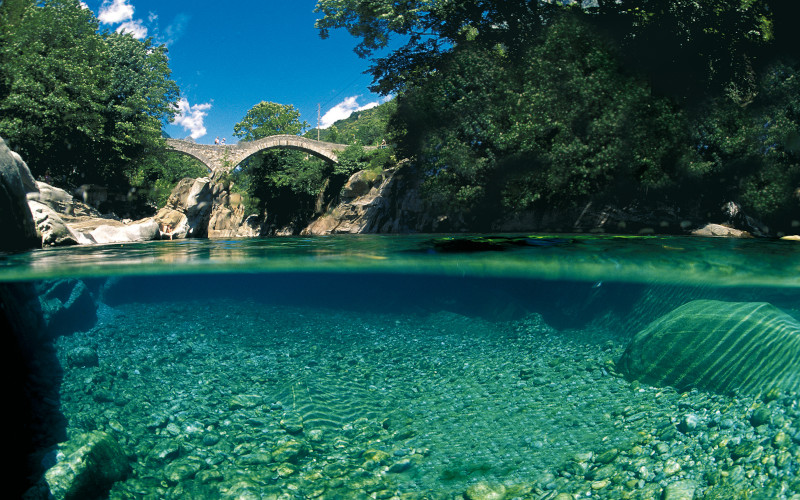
(402,366)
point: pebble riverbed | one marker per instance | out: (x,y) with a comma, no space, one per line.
(237,399)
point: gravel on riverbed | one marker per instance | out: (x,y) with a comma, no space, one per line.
(237,399)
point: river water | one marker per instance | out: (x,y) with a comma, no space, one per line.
(419,366)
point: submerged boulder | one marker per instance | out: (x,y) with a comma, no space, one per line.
(724,347)
(89,465)
(67,306)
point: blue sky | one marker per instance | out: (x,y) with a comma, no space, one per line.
(228,57)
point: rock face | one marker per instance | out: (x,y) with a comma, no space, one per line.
(188,209)
(90,464)
(50,228)
(227,212)
(725,347)
(16,181)
(385,203)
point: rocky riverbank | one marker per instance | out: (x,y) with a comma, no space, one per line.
(390,202)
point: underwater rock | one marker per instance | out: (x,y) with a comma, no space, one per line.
(750,347)
(67,306)
(91,464)
(485,491)
(83,357)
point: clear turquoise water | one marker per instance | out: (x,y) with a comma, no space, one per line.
(411,366)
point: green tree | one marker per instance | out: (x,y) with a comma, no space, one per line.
(269,118)
(556,124)
(78,105)
(141,99)
(56,69)
(282,184)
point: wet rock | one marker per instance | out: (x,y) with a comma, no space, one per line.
(183,469)
(67,306)
(91,464)
(486,491)
(720,346)
(760,416)
(680,490)
(688,423)
(290,451)
(240,401)
(83,357)
(401,466)
(292,423)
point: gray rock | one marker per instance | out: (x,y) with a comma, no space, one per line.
(90,464)
(724,347)
(19,229)
(719,230)
(145,230)
(188,209)
(50,227)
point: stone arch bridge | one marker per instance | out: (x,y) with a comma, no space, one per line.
(223,158)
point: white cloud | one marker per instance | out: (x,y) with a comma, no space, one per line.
(135,28)
(190,117)
(115,12)
(176,29)
(344,109)
(84,6)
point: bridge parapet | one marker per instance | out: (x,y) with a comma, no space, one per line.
(224,157)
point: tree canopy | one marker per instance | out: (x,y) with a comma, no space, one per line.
(80,106)
(526,104)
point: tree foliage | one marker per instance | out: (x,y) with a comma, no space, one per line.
(279,183)
(81,106)
(525,104)
(366,128)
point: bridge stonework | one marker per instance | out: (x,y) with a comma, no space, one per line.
(223,158)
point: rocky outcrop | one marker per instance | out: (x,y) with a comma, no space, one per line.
(16,181)
(188,210)
(387,202)
(50,228)
(721,231)
(725,347)
(227,212)
(88,466)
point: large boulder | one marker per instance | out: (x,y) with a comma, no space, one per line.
(188,209)
(88,466)
(16,181)
(227,213)
(50,228)
(144,230)
(724,347)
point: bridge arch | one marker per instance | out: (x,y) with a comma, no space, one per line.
(224,158)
